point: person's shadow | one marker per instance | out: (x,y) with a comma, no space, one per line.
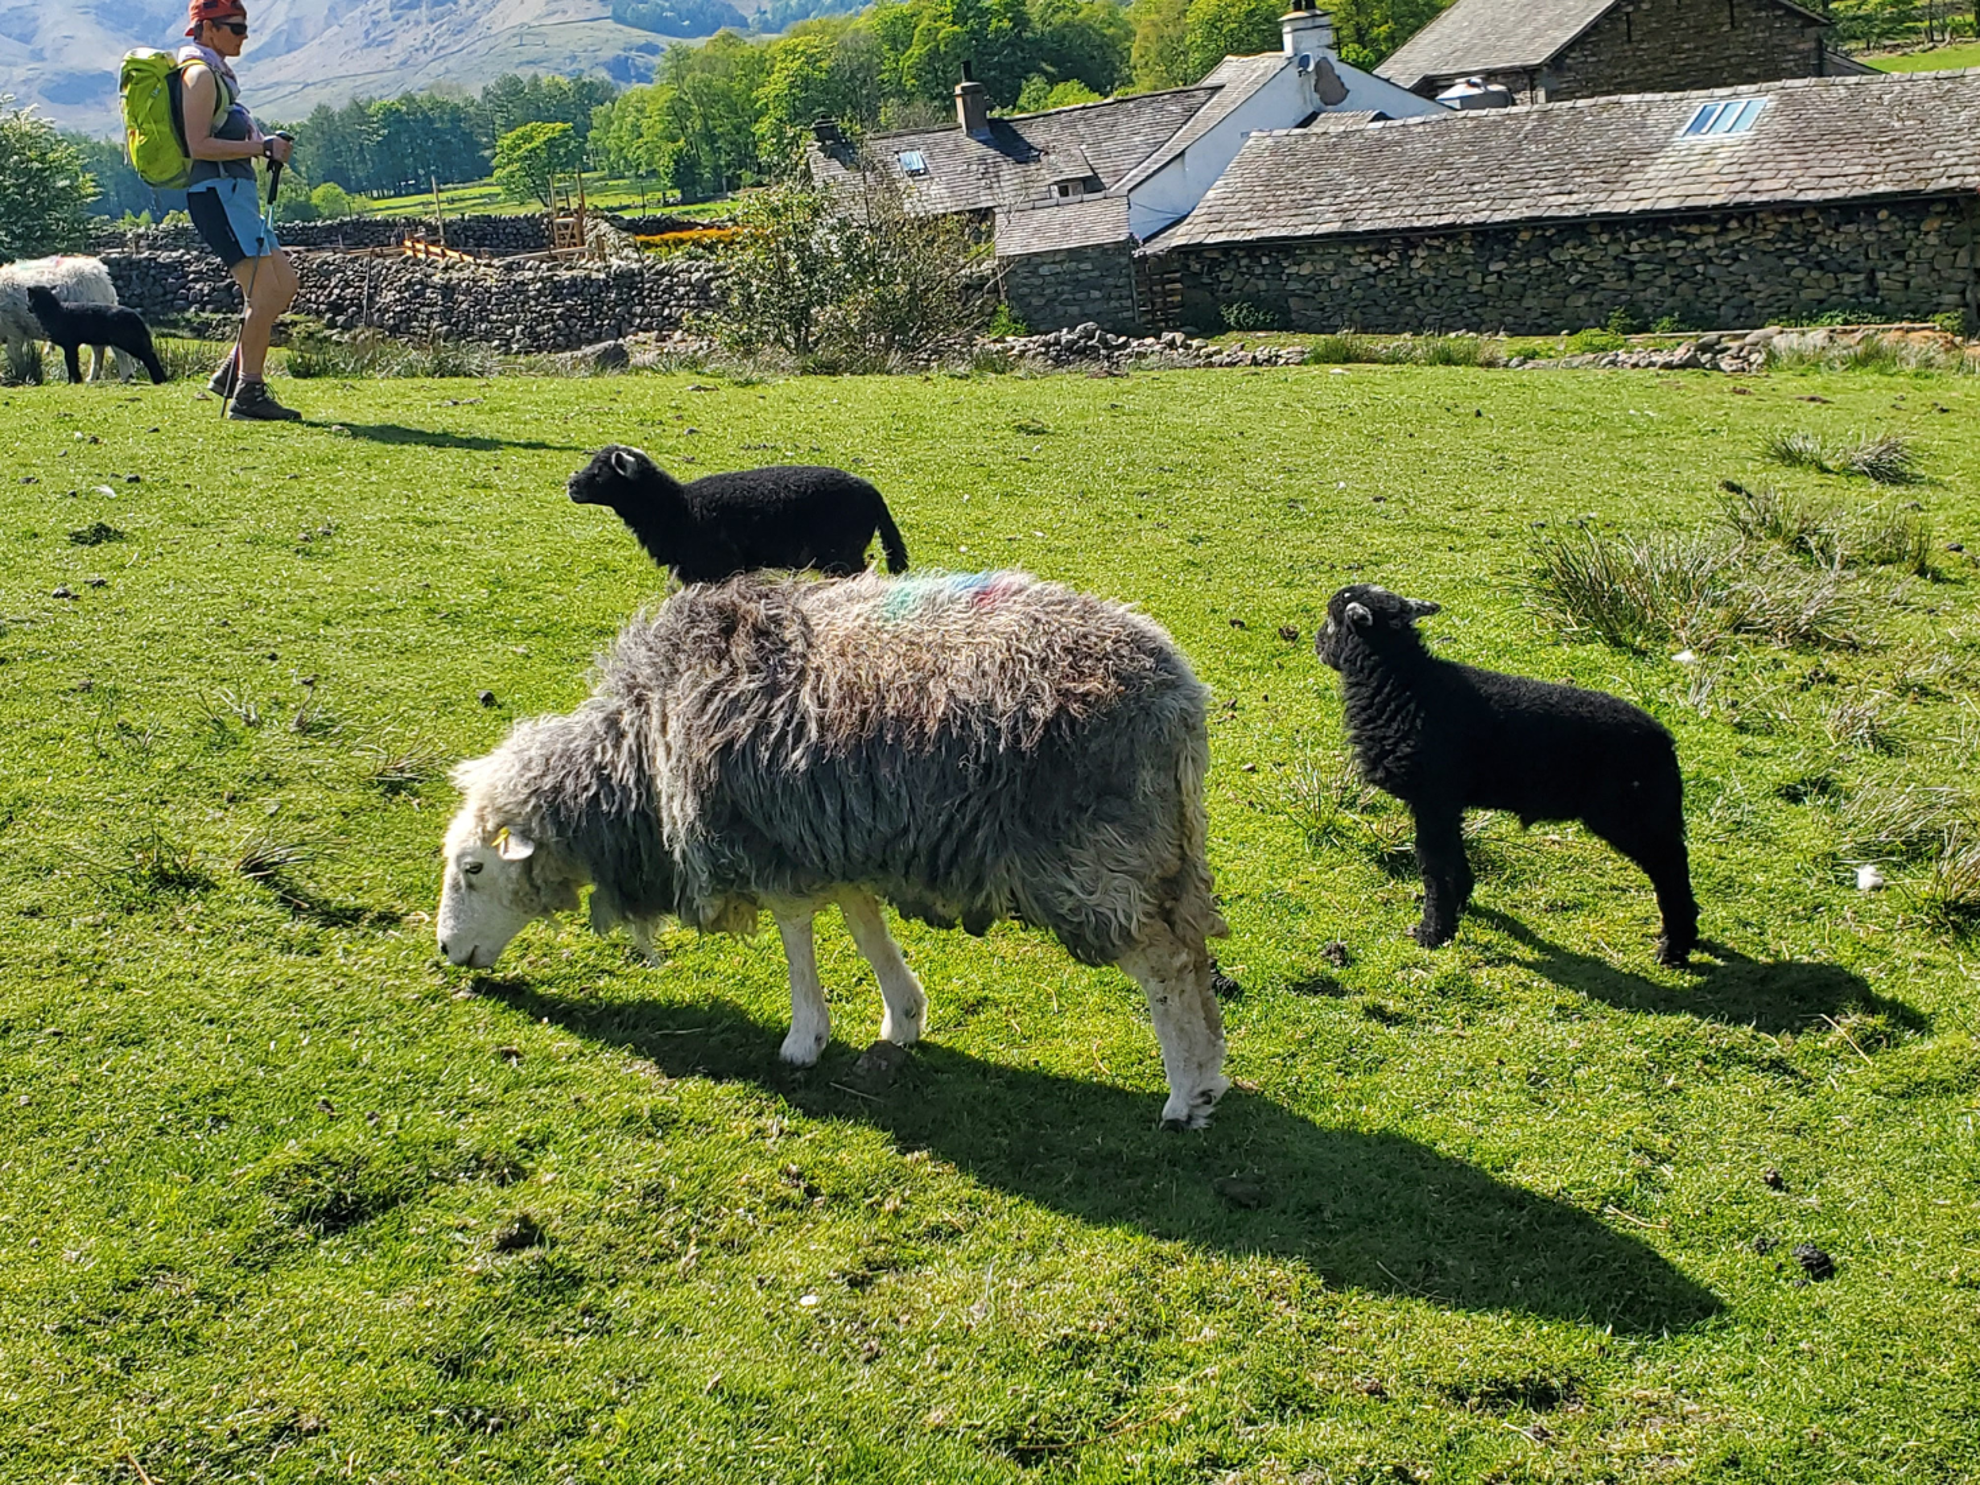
(434,438)
(1784,995)
(1369,1210)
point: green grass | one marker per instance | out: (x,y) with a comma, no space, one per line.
(284,1197)
(485,198)
(1934,59)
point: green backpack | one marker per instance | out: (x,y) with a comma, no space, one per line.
(154,117)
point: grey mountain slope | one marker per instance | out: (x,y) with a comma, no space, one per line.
(63,58)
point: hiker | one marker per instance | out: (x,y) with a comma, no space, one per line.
(222,199)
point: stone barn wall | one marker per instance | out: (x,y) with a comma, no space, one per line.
(1898,260)
(1073,286)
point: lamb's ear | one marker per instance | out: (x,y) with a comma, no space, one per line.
(625,463)
(511,846)
(1359,615)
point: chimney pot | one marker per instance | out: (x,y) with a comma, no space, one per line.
(1307,28)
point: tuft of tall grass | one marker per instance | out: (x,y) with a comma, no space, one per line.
(1334,806)
(1691,591)
(1798,449)
(1897,823)
(1885,458)
(1878,536)
(371,354)
(188,359)
(1950,895)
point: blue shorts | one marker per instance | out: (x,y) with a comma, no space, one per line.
(227,213)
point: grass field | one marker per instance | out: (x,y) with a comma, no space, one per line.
(484,198)
(1959,54)
(285,1197)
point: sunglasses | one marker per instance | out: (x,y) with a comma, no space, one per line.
(239,28)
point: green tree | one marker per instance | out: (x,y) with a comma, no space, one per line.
(332,201)
(528,156)
(1041,93)
(1159,56)
(993,36)
(1083,41)
(1366,31)
(44,190)
(1216,29)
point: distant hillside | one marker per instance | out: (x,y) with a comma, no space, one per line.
(305,52)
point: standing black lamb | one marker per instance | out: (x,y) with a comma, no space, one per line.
(712,528)
(72,326)
(1444,738)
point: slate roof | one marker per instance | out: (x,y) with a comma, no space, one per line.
(1236,80)
(1475,36)
(1819,139)
(1071,224)
(1025,155)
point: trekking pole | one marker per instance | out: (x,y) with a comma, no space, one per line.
(267,231)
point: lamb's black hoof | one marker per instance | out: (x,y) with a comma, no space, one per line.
(1431,938)
(1674,956)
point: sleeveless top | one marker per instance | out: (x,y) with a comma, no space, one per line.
(231,122)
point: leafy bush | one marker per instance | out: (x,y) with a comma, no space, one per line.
(1621,322)
(44,189)
(1953,322)
(1592,342)
(849,280)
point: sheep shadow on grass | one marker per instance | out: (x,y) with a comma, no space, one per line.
(1370,1210)
(1784,995)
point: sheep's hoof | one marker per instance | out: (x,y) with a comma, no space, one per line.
(1673,955)
(1432,938)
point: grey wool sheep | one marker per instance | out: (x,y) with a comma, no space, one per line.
(968,748)
(1444,738)
(786,515)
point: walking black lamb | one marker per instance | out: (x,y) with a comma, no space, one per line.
(72,326)
(794,516)
(1444,738)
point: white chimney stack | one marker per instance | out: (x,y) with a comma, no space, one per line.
(1308,30)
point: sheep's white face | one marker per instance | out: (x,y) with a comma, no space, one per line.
(486,896)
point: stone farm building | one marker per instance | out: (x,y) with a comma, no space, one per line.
(1554,51)
(1071,191)
(1723,208)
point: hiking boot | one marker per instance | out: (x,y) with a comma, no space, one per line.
(221,383)
(253,404)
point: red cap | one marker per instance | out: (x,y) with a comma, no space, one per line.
(198,12)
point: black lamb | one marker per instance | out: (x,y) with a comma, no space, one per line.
(1444,738)
(721,524)
(72,326)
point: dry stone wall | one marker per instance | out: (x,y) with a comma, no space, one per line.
(498,235)
(1073,286)
(516,307)
(1901,260)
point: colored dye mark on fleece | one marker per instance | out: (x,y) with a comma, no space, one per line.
(907,598)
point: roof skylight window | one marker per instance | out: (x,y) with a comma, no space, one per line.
(1732,116)
(913,162)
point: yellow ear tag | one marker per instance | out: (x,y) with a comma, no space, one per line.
(501,838)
